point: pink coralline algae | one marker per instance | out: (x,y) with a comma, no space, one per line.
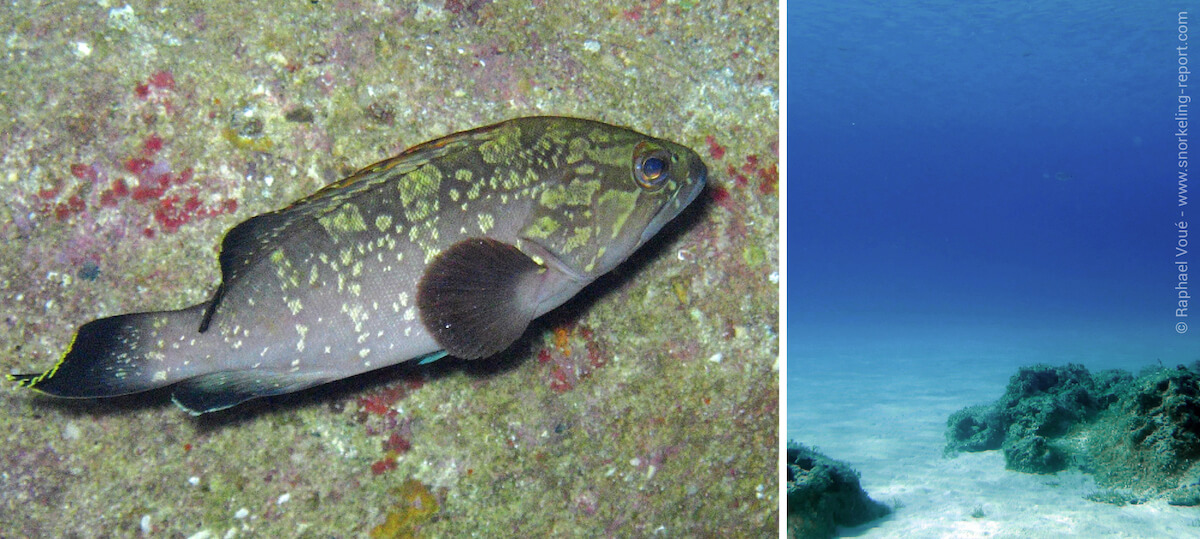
(145,186)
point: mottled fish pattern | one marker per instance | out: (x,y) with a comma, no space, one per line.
(451,247)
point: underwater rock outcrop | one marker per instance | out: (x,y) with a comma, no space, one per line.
(1140,436)
(824,493)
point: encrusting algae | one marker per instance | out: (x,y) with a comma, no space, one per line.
(415,506)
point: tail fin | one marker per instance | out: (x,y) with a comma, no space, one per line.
(121,354)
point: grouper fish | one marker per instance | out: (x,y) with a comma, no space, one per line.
(450,248)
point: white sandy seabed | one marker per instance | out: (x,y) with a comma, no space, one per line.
(884,411)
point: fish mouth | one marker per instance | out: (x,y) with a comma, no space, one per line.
(697,178)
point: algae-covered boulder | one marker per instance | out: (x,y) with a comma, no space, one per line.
(974,428)
(1041,404)
(1033,454)
(1150,441)
(1162,414)
(1046,401)
(824,493)
(1140,435)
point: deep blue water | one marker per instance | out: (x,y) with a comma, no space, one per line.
(989,171)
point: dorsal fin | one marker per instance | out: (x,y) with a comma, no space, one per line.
(242,246)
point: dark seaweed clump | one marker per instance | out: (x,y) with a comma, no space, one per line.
(824,493)
(1139,435)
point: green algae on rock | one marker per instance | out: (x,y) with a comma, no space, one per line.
(823,493)
(451,247)
(1135,434)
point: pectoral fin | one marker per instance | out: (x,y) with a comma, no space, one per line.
(477,297)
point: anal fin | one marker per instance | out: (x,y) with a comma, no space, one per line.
(221,390)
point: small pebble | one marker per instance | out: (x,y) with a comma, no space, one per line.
(88,271)
(122,18)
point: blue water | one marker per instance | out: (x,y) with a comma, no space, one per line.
(974,186)
(1000,164)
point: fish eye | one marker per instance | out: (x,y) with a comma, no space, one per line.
(650,166)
